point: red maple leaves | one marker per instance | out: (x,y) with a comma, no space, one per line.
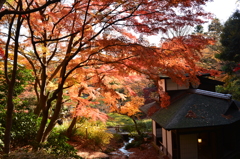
(236,68)
(2,53)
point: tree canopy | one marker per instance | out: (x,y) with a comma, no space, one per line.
(208,59)
(230,38)
(86,45)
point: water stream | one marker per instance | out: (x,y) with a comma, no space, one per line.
(123,150)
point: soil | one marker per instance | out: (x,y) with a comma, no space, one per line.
(111,151)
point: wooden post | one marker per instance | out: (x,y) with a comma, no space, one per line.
(86,133)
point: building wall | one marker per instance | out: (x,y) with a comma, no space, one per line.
(164,140)
(188,146)
(167,143)
(154,131)
(169,85)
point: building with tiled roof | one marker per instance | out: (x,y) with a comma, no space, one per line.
(198,124)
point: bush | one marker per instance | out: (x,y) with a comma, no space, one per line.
(57,145)
(118,137)
(100,138)
(24,128)
(118,119)
(143,126)
(1,137)
(95,132)
(129,128)
(33,155)
(134,143)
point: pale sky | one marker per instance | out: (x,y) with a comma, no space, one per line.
(222,9)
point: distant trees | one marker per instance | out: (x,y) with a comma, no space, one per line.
(198,29)
(208,59)
(215,28)
(230,40)
(230,55)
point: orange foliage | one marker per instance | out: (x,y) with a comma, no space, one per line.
(99,45)
(132,107)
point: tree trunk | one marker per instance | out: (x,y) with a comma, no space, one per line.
(45,109)
(136,126)
(41,129)
(9,115)
(11,84)
(71,126)
(55,115)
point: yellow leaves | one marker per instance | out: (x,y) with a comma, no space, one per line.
(132,107)
(43,51)
(52,86)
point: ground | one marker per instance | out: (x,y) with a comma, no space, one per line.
(145,151)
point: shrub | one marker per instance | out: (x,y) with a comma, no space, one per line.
(118,137)
(2,129)
(134,143)
(33,155)
(58,146)
(24,128)
(1,137)
(100,137)
(143,126)
(118,119)
(62,129)
(95,132)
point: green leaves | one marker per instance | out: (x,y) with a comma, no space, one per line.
(57,145)
(24,129)
(230,38)
(24,77)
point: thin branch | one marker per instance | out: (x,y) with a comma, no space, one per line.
(6,12)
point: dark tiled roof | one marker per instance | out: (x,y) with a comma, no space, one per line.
(193,110)
(199,75)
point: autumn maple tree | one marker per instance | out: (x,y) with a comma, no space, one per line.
(133,100)
(14,20)
(85,44)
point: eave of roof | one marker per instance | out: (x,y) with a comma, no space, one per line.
(199,75)
(195,110)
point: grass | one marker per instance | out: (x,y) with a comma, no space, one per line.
(125,121)
(118,119)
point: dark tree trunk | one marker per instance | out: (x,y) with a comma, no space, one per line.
(41,129)
(71,126)
(54,117)
(9,115)
(136,126)
(11,84)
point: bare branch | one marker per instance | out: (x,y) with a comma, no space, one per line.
(5,12)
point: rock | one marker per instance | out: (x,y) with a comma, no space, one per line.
(98,155)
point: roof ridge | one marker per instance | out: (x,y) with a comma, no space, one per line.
(210,93)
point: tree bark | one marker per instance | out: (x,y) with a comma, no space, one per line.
(55,115)
(11,84)
(136,126)
(41,129)
(71,126)
(9,115)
